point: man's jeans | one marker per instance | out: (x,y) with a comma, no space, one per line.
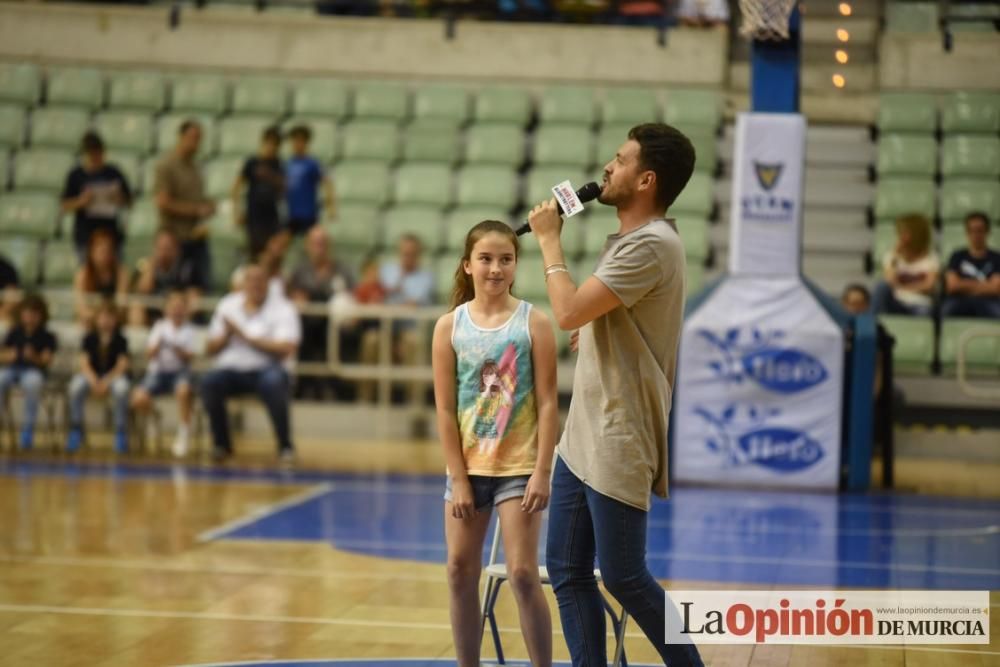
(31,380)
(269,384)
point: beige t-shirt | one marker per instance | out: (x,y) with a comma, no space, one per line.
(615,438)
(182,181)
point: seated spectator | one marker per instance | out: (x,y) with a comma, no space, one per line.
(263,178)
(909,271)
(640,12)
(102,274)
(26,356)
(163,272)
(180,197)
(405,283)
(252,336)
(317,279)
(271,259)
(170,349)
(972,279)
(369,288)
(703,13)
(97,193)
(856,299)
(305,175)
(8,288)
(103,372)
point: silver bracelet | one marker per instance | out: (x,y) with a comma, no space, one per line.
(555,269)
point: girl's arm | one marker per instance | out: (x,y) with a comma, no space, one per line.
(443,361)
(543,358)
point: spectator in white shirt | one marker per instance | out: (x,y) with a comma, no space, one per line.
(170,348)
(910,271)
(252,334)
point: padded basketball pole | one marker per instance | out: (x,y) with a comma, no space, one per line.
(774,71)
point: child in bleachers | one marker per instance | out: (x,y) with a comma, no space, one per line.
(26,355)
(263,180)
(305,175)
(369,289)
(104,372)
(170,349)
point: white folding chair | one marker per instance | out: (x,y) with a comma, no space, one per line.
(496,574)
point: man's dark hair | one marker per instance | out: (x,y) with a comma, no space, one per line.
(978,215)
(300,132)
(665,151)
(271,133)
(187,125)
(409,237)
(857,287)
(92,143)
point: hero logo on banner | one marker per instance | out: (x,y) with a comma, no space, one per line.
(765,205)
(785,370)
(568,201)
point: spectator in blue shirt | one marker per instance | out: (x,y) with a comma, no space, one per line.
(304,175)
(972,280)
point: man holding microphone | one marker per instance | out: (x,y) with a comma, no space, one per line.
(613,451)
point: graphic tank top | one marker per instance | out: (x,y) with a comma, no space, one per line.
(495,382)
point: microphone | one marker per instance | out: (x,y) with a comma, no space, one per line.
(587,193)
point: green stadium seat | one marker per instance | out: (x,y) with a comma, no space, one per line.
(691,109)
(459,221)
(220,174)
(241,135)
(60,264)
(900,196)
(357,228)
(137,91)
(883,240)
(911,16)
(199,94)
(130,166)
(495,144)
(694,278)
(425,223)
(487,185)
(970,155)
(953,238)
(362,183)
(227,255)
(959,197)
(905,155)
(982,355)
(4,171)
(971,113)
(170,125)
(22,253)
(134,249)
(694,236)
(323,145)
(697,198)
(567,105)
(609,140)
(423,184)
(257,96)
(901,113)
(58,128)
(506,105)
(143,219)
(705,150)
(370,140)
(562,337)
(529,281)
(381,101)
(12,124)
(223,226)
(541,180)
(441,102)
(630,106)
(444,277)
(41,169)
(566,146)
(433,140)
(75,87)
(126,131)
(20,84)
(913,352)
(325,99)
(28,215)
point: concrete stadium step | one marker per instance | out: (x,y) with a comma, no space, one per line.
(822,189)
(826,145)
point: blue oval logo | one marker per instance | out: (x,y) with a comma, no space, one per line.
(784,370)
(780,449)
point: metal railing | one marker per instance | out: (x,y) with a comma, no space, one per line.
(961,358)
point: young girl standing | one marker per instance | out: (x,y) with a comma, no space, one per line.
(494,360)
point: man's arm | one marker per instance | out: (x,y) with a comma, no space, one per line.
(329,199)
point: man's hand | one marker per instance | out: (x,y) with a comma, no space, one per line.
(574,341)
(100,387)
(544,220)
(85,197)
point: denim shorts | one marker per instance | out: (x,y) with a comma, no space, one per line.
(158,384)
(491,491)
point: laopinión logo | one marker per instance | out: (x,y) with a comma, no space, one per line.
(764,360)
(745,438)
(765,206)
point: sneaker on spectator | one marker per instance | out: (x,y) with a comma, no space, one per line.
(121,443)
(74,440)
(181,444)
(287,456)
(27,438)
(220,454)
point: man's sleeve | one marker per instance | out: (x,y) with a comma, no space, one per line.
(288,328)
(71,188)
(216,326)
(161,180)
(631,272)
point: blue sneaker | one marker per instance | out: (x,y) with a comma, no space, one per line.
(121,443)
(27,438)
(74,440)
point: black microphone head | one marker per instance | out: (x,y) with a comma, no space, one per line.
(589,192)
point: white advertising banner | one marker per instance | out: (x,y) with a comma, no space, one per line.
(759,388)
(765,232)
